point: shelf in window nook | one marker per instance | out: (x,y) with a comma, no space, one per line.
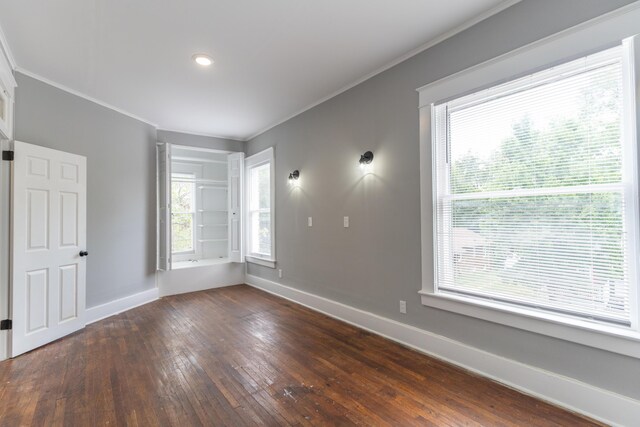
(210,210)
(212,225)
(211,240)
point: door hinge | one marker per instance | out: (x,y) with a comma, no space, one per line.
(6,324)
(7,155)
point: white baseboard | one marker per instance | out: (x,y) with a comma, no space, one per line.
(199,278)
(112,308)
(602,405)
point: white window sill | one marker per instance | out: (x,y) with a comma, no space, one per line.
(271,263)
(592,334)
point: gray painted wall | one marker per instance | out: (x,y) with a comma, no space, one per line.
(120,151)
(121,193)
(376,262)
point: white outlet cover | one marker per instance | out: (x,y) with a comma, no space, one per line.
(346,222)
(310,222)
(403,307)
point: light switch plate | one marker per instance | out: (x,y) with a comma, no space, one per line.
(346,222)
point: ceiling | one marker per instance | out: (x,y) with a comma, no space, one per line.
(273,59)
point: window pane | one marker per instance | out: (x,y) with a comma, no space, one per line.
(260,210)
(183,190)
(260,187)
(261,233)
(181,232)
(559,134)
(531,195)
(562,252)
(182,196)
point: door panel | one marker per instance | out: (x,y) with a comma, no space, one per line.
(49,231)
(37,219)
(68,292)
(68,219)
(36,301)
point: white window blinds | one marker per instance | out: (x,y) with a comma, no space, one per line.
(532,192)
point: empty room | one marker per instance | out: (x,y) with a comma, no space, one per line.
(320,213)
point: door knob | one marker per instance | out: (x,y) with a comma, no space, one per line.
(84,253)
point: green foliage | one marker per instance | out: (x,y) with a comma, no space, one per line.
(566,152)
(182,216)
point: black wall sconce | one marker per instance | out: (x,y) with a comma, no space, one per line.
(366,158)
(294,175)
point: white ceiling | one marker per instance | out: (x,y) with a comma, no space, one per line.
(273,58)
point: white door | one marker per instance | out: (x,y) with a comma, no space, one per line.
(48,245)
(236,177)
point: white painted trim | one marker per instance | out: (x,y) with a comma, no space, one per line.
(594,402)
(82,95)
(6,50)
(258,159)
(610,338)
(439,39)
(199,278)
(111,308)
(208,135)
(5,260)
(271,263)
(201,149)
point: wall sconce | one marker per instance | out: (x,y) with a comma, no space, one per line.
(294,175)
(366,158)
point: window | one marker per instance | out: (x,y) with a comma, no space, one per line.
(534,190)
(183,212)
(260,193)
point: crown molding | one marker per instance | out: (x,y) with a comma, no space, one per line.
(6,50)
(439,39)
(67,89)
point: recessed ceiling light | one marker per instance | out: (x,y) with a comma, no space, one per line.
(202,59)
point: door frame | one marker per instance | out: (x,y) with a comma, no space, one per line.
(5,248)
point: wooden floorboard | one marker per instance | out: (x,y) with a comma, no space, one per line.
(237,356)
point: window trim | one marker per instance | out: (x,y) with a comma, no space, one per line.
(263,157)
(560,48)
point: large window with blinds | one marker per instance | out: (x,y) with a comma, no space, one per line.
(534,192)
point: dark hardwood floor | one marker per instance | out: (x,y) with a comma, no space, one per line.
(238,356)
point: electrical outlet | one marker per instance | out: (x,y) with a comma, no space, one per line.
(280,273)
(403,307)
(346,222)
(310,222)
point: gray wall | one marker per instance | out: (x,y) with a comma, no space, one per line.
(121,200)
(121,193)
(376,262)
